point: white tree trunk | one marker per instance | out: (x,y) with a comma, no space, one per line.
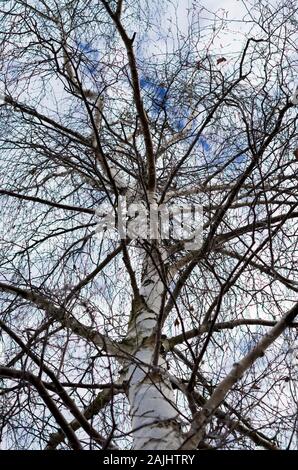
(155,422)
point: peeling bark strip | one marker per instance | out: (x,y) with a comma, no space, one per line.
(203,416)
(155,417)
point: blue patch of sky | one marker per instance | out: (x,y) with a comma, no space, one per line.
(228,153)
(246,344)
(91,54)
(161,100)
(203,141)
(156,92)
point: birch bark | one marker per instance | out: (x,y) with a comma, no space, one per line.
(155,417)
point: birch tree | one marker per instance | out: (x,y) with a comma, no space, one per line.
(136,340)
